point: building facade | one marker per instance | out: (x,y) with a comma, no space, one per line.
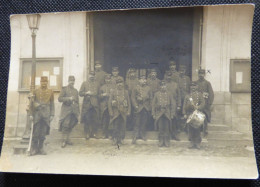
(220,41)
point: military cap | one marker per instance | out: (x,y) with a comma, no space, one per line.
(97,63)
(44,78)
(114,68)
(162,83)
(107,76)
(193,83)
(202,71)
(131,70)
(71,78)
(119,80)
(142,76)
(172,63)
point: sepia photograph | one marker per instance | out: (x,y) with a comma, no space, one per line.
(163,92)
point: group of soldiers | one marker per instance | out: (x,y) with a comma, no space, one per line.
(112,105)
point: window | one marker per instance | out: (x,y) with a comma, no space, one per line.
(240,75)
(50,67)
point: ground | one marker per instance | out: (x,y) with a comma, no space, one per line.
(143,159)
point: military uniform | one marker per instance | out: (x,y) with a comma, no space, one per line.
(69,110)
(191,100)
(90,106)
(205,88)
(99,74)
(184,85)
(162,111)
(131,83)
(115,78)
(104,93)
(42,110)
(174,91)
(119,107)
(141,100)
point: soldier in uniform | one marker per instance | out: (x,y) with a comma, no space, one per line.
(205,88)
(69,110)
(104,93)
(141,100)
(154,84)
(193,101)
(99,74)
(184,84)
(162,112)
(131,83)
(42,113)
(90,106)
(115,76)
(175,73)
(119,107)
(173,89)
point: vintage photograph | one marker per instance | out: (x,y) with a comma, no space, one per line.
(162,92)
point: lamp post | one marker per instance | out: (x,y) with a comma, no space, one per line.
(33,22)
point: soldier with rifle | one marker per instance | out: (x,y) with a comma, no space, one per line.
(41,113)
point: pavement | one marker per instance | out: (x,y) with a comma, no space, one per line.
(100,157)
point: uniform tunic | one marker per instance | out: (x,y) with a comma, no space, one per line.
(153,84)
(205,88)
(43,108)
(113,80)
(174,91)
(100,77)
(69,108)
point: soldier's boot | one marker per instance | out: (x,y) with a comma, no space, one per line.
(34,148)
(197,145)
(160,141)
(86,136)
(167,141)
(68,141)
(134,139)
(41,148)
(192,146)
(63,143)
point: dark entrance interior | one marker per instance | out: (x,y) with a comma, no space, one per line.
(144,39)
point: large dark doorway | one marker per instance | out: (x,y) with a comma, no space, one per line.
(144,39)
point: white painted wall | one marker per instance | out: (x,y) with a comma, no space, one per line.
(226,35)
(62,35)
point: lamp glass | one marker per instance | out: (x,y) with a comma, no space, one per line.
(33,21)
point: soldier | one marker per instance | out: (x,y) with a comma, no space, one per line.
(154,83)
(99,74)
(184,84)
(131,80)
(119,108)
(175,73)
(193,101)
(162,105)
(141,101)
(69,110)
(173,89)
(42,113)
(104,94)
(90,108)
(115,76)
(205,88)
(131,83)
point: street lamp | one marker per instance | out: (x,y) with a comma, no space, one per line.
(33,22)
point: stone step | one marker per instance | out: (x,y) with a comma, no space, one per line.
(218,127)
(224,135)
(20,149)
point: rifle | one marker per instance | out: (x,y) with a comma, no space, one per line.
(31,124)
